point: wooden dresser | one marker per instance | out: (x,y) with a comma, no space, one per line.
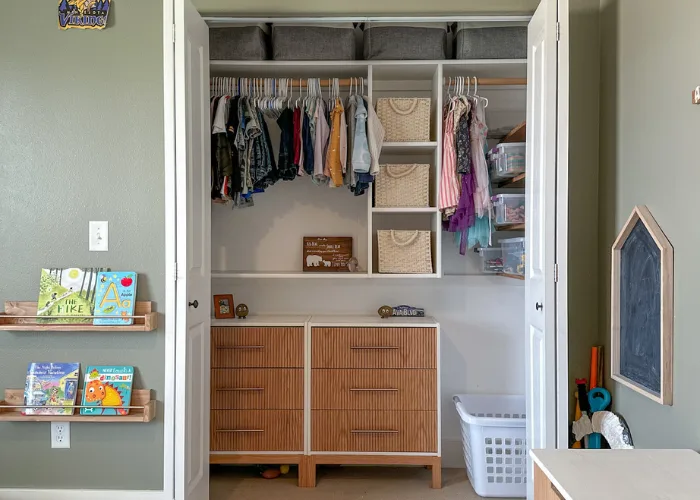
(326,390)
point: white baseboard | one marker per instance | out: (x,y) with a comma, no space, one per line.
(452,454)
(22,494)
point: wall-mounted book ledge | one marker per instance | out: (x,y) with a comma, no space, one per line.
(141,410)
(22,317)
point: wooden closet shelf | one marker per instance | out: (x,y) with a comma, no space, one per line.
(518,134)
(514,182)
(141,410)
(512,276)
(22,317)
(511,227)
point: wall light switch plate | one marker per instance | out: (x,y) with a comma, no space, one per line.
(696,96)
(99,236)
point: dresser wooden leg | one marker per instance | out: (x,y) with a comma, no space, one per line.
(436,468)
(307,472)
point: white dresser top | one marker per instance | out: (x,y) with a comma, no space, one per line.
(264,320)
(336,320)
(350,320)
(622,474)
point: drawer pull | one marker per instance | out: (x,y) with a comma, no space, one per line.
(360,431)
(241,430)
(373,347)
(242,389)
(374,390)
(243,347)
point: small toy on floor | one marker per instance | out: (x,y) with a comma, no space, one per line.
(269,472)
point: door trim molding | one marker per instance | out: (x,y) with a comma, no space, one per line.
(27,494)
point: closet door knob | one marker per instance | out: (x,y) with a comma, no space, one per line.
(539,306)
(194,304)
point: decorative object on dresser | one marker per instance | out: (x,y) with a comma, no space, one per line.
(223,307)
(385,311)
(241,311)
(408,312)
(327,253)
(642,308)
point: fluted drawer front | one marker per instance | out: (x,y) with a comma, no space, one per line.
(373,348)
(374,431)
(257,347)
(364,389)
(257,430)
(257,389)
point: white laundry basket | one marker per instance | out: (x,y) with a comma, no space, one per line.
(493,436)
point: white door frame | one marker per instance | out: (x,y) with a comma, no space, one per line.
(562,232)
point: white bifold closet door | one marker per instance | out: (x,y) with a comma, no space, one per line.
(547,64)
(193,254)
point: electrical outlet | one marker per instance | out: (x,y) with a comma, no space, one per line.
(60,434)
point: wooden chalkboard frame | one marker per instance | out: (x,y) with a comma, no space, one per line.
(665,396)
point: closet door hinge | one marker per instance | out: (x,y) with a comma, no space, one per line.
(558,31)
(175,272)
(556,273)
(174,34)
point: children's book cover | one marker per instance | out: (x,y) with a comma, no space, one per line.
(107,386)
(50,386)
(115,298)
(67,295)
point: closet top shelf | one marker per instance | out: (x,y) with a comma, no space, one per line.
(381,70)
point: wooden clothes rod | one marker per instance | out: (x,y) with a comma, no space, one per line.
(491,81)
(346,82)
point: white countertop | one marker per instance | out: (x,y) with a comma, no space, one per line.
(349,320)
(622,474)
(264,320)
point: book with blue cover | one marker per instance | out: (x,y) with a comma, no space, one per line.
(50,386)
(107,386)
(115,298)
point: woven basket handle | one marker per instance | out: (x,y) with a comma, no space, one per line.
(404,243)
(398,172)
(408,111)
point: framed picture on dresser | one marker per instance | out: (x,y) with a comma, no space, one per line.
(223,307)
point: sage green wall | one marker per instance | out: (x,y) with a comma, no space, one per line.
(362,7)
(81,138)
(582,269)
(649,156)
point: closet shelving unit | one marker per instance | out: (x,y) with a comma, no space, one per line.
(286,213)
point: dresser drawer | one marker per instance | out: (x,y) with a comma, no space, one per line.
(374,431)
(257,347)
(257,389)
(257,430)
(373,348)
(391,389)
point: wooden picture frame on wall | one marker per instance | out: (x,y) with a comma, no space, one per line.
(224,307)
(642,308)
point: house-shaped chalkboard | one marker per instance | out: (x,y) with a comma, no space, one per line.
(642,308)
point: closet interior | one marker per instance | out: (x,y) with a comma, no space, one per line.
(257,232)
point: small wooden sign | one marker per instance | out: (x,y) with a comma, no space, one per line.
(327,254)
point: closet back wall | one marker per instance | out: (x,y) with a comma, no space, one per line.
(81,138)
(481,321)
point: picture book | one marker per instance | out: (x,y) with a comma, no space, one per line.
(115,297)
(50,386)
(67,295)
(107,386)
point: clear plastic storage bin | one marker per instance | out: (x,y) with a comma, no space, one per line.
(511,159)
(491,260)
(509,208)
(513,253)
(493,438)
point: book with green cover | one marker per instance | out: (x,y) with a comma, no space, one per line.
(67,295)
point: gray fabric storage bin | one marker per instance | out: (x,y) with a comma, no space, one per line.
(401,42)
(313,43)
(502,42)
(242,43)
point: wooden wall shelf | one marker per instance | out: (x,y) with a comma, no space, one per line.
(22,317)
(513,276)
(141,410)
